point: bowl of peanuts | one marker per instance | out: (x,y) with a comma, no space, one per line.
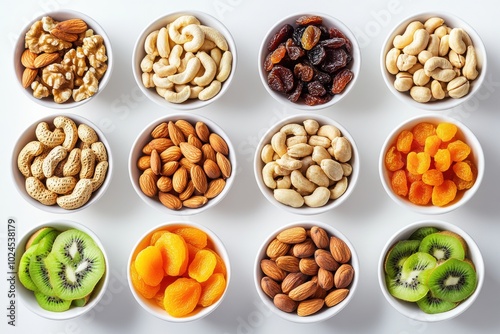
(433,61)
(306,271)
(309,61)
(179,271)
(63,59)
(431,164)
(62,163)
(306,164)
(184,60)
(182,164)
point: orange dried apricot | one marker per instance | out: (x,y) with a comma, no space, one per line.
(160,295)
(442,159)
(212,289)
(444,193)
(202,266)
(393,159)
(174,252)
(145,290)
(181,297)
(462,184)
(399,183)
(432,144)
(404,141)
(463,170)
(149,265)
(433,177)
(446,131)
(458,150)
(412,177)
(423,130)
(220,266)
(155,236)
(418,163)
(192,235)
(420,193)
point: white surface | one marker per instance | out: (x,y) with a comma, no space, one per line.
(244,218)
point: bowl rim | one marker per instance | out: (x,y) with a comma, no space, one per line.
(304,210)
(448,103)
(416,313)
(64,14)
(18,178)
(138,54)
(326,313)
(25,294)
(472,141)
(355,64)
(156,311)
(134,154)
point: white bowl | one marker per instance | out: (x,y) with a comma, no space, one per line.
(29,135)
(325,313)
(305,210)
(150,305)
(139,53)
(453,22)
(27,297)
(145,136)
(61,15)
(328,22)
(477,156)
(411,310)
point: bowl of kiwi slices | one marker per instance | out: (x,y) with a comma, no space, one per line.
(61,270)
(431,271)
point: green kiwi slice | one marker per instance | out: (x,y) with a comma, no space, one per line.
(430,304)
(397,255)
(51,303)
(442,246)
(37,268)
(23,271)
(409,285)
(71,244)
(453,280)
(37,236)
(422,232)
(81,302)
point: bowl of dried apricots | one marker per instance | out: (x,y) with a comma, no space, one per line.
(431,164)
(179,271)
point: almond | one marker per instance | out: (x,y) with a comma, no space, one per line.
(191,152)
(339,249)
(293,280)
(320,237)
(160,131)
(270,287)
(169,168)
(284,303)
(224,164)
(208,152)
(269,268)
(325,279)
(188,191)
(72,26)
(303,291)
(304,249)
(288,263)
(28,58)
(215,187)
(336,296)
(160,144)
(29,76)
(65,36)
(195,141)
(173,153)
(202,131)
(180,179)
(144,162)
(325,260)
(155,162)
(164,184)
(175,133)
(343,276)
(170,201)
(147,183)
(186,163)
(320,293)
(218,144)
(308,266)
(45,59)
(211,168)
(195,202)
(186,127)
(292,235)
(199,179)
(309,307)
(276,249)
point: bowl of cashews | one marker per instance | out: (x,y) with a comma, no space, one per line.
(62,163)
(184,60)
(433,61)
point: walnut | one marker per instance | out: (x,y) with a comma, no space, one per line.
(38,41)
(61,95)
(58,76)
(39,90)
(95,50)
(89,87)
(48,23)
(75,58)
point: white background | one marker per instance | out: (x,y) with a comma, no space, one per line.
(244,218)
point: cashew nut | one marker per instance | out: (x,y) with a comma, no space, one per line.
(224,66)
(405,62)
(268,174)
(400,41)
(78,197)
(163,43)
(61,185)
(293,129)
(424,56)
(289,163)
(27,154)
(147,80)
(294,140)
(184,61)
(150,43)
(210,69)
(300,150)
(420,78)
(444,45)
(284,182)
(470,68)
(55,156)
(339,188)
(329,131)
(420,94)
(316,140)
(458,61)
(301,183)
(311,126)
(215,36)
(47,137)
(194,36)
(318,198)
(162,82)
(175,55)
(433,45)
(179,97)
(278,141)
(332,169)
(320,153)
(403,82)
(163,69)
(391,60)
(342,150)
(267,153)
(147,63)
(458,87)
(178,24)
(433,23)
(419,43)
(437,90)
(210,91)
(456,41)
(436,63)
(316,175)
(36,189)
(289,197)
(189,73)
(216,55)
(70,131)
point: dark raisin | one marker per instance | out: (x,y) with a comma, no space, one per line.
(316,55)
(278,54)
(341,79)
(285,32)
(303,72)
(293,51)
(335,42)
(334,32)
(335,59)
(322,77)
(280,79)
(297,35)
(315,88)
(295,95)
(325,33)
(309,19)
(310,37)
(315,100)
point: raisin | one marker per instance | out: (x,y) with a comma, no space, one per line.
(334,32)
(295,95)
(315,88)
(303,72)
(315,100)
(335,60)
(280,79)
(278,54)
(297,35)
(309,19)
(341,79)
(316,55)
(335,42)
(293,51)
(285,32)
(268,64)
(310,37)
(322,77)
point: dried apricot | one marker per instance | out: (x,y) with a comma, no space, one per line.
(412,177)
(446,131)
(149,265)
(423,130)
(442,159)
(463,170)
(404,141)
(212,289)
(418,163)
(458,150)
(145,290)
(393,159)
(433,177)
(181,297)
(160,295)
(399,183)
(155,236)
(202,266)
(420,193)
(174,252)
(444,193)
(220,266)
(462,184)
(192,235)
(432,144)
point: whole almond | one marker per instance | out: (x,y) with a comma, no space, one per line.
(72,26)
(276,249)
(211,168)
(160,131)
(215,187)
(160,144)
(208,152)
(155,162)
(288,263)
(195,141)
(218,143)
(28,77)
(175,133)
(164,184)
(293,280)
(188,191)
(65,36)
(224,164)
(292,235)
(335,297)
(28,59)
(186,163)
(144,162)
(319,237)
(180,179)
(284,303)
(195,202)
(270,287)
(170,201)
(325,260)
(191,152)
(325,279)
(269,268)
(309,307)
(199,178)
(186,127)
(343,276)
(304,249)
(173,153)
(303,291)
(339,249)
(202,131)
(45,59)
(169,168)
(320,293)
(308,266)
(147,183)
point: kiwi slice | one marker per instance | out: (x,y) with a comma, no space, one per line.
(442,246)
(431,304)
(81,302)
(397,255)
(409,285)
(70,245)
(453,280)
(422,232)
(51,303)
(23,271)
(37,269)
(37,236)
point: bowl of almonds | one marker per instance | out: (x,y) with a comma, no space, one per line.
(182,164)
(306,271)
(63,59)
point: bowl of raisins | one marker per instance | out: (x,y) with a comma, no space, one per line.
(431,164)
(309,61)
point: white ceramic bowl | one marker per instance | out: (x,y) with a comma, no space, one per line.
(453,22)
(477,156)
(139,53)
(61,15)
(328,22)
(29,135)
(305,210)
(150,305)
(411,310)
(27,297)
(145,136)
(326,312)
